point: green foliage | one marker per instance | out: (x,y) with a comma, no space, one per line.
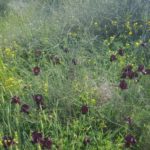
(3,7)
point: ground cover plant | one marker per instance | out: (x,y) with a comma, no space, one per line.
(75,74)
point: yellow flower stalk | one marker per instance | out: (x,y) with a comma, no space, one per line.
(46,87)
(128,25)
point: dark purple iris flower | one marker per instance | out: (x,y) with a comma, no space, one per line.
(84,109)
(38,98)
(132,74)
(121,52)
(74,61)
(124,75)
(147,71)
(123,85)
(128,68)
(36,137)
(86,141)
(127,72)
(7,141)
(46,143)
(66,50)
(15,100)
(25,108)
(36,70)
(128,120)
(143,44)
(130,140)
(135,74)
(141,68)
(113,58)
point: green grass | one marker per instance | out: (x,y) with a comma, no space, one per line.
(90,32)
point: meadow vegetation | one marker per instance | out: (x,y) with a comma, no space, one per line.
(75,74)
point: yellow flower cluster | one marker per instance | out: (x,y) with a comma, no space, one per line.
(11,82)
(129,27)
(130,33)
(109,41)
(7,80)
(72,34)
(9,53)
(114,22)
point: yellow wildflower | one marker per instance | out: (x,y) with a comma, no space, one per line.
(12,82)
(148,23)
(96,24)
(46,87)
(73,34)
(114,22)
(9,53)
(135,24)
(137,43)
(93,101)
(130,33)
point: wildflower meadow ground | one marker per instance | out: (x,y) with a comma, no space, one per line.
(74,75)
